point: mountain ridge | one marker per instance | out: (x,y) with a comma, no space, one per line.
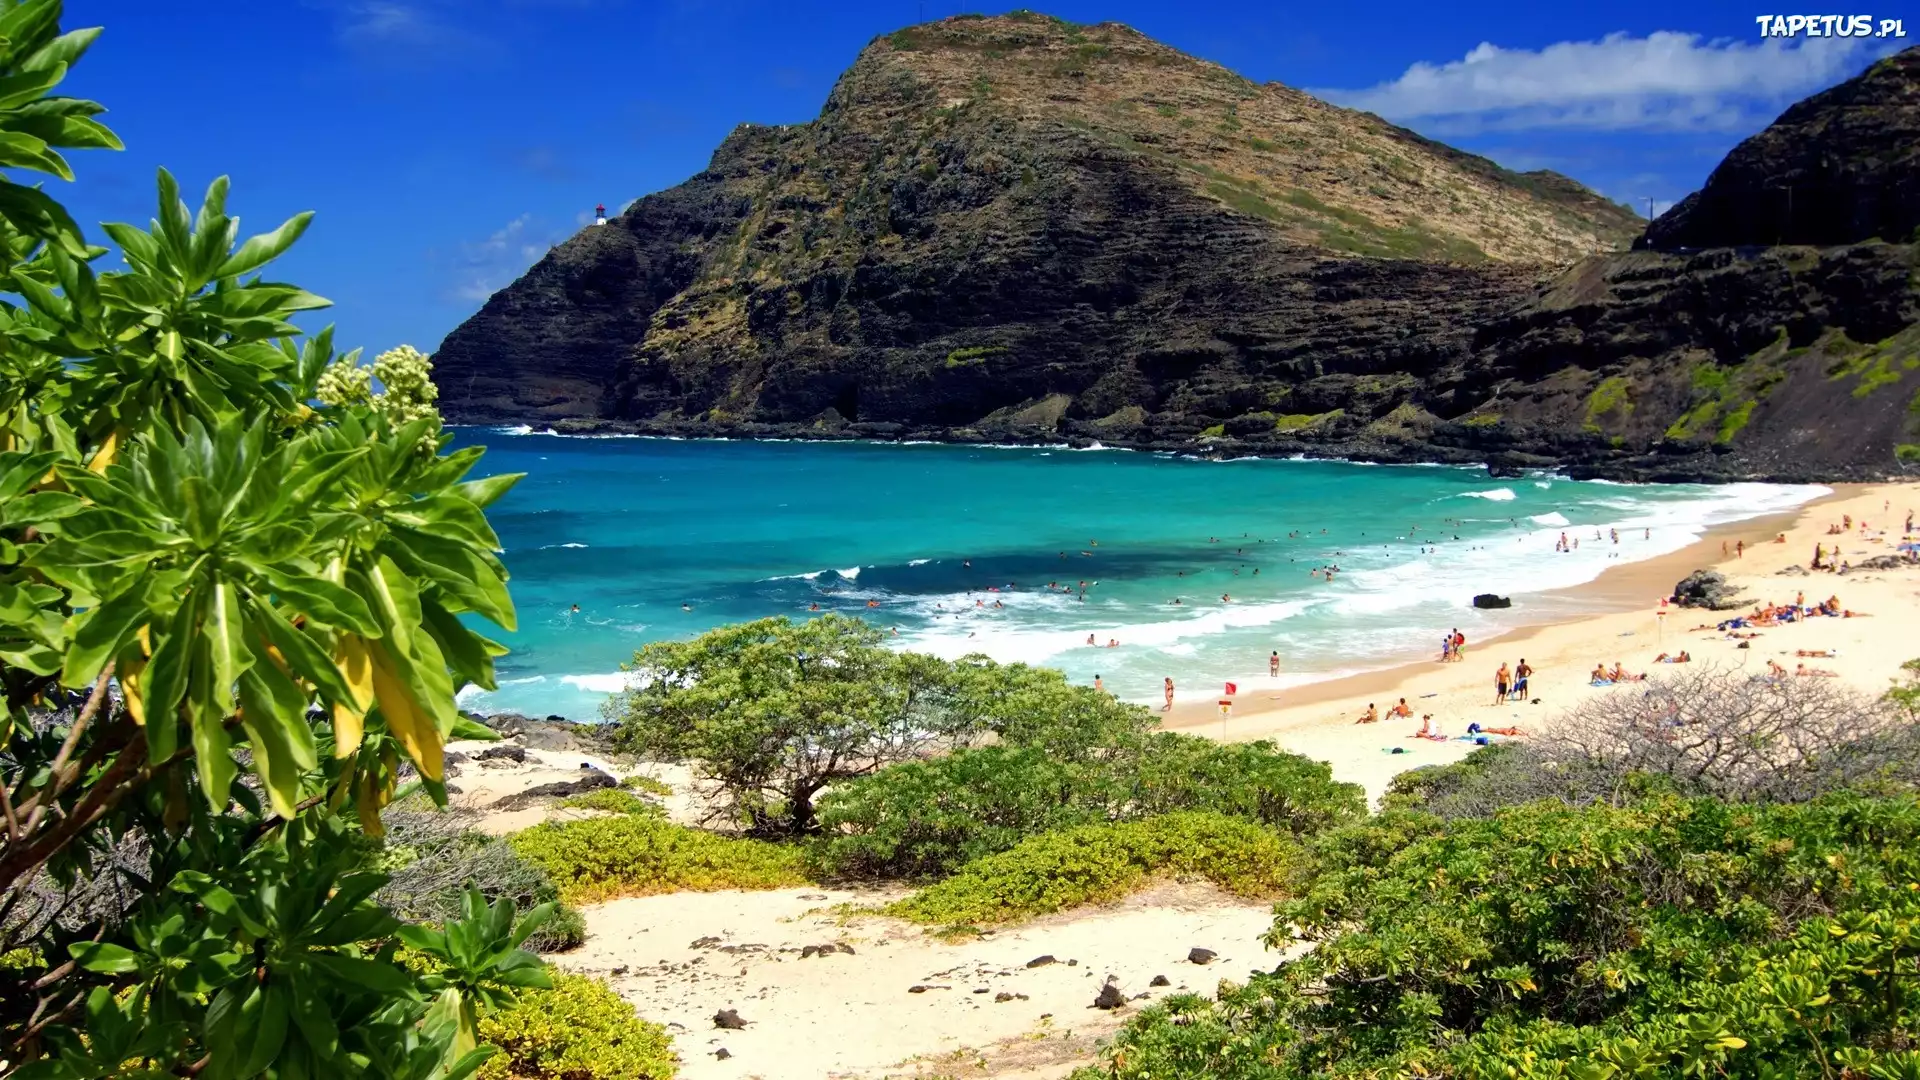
(1017,228)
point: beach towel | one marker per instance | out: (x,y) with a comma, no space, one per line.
(1601,682)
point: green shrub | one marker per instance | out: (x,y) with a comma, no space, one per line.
(600,858)
(1256,781)
(926,818)
(1675,938)
(613,801)
(1213,432)
(579,1030)
(647,785)
(1093,863)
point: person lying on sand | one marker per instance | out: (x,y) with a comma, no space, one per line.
(1371,716)
(1402,709)
(1683,658)
(1803,669)
(1620,674)
(1476,729)
(1824,654)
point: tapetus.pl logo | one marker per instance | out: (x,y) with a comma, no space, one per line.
(1854,26)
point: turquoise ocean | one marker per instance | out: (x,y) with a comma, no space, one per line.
(958,546)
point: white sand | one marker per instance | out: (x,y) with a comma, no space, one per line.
(1318,720)
(853,1015)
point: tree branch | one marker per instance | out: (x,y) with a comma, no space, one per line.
(59,778)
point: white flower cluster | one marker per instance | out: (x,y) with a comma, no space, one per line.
(406,392)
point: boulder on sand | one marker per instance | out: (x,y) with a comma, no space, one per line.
(1706,589)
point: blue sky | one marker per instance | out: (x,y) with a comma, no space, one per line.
(445,144)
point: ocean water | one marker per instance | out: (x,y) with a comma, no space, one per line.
(958,547)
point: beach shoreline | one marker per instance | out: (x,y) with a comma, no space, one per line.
(1614,618)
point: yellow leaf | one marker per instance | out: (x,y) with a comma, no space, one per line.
(109,452)
(356,669)
(1733,1042)
(367,806)
(410,725)
(130,673)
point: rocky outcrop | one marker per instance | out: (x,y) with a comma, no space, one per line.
(1841,167)
(1015,229)
(1706,589)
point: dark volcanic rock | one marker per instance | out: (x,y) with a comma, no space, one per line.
(1198,955)
(1841,167)
(593,780)
(993,234)
(1706,589)
(1488,601)
(1110,997)
(728,1019)
(503,752)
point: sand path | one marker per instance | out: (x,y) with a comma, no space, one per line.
(981,1011)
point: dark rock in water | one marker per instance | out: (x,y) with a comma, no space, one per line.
(1201,956)
(503,752)
(591,781)
(728,1019)
(1110,997)
(556,718)
(1160,980)
(1042,961)
(1488,600)
(1706,589)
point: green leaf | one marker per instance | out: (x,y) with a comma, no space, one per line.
(331,604)
(103,958)
(264,248)
(261,1025)
(483,493)
(365,975)
(275,759)
(106,629)
(36,214)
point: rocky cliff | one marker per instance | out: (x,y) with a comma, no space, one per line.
(1841,167)
(1017,228)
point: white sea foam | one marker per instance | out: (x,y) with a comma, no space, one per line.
(599,684)
(795,577)
(544,547)
(1555,518)
(918,562)
(850,573)
(1495,495)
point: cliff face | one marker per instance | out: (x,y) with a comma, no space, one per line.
(1841,167)
(1014,228)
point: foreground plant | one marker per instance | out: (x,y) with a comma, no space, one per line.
(231,624)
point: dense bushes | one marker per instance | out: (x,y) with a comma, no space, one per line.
(1059,870)
(613,801)
(1676,937)
(922,819)
(579,1029)
(630,855)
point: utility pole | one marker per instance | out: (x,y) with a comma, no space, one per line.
(1649,208)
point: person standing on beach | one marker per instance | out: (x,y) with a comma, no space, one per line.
(1168,707)
(1500,679)
(1273,664)
(1739,549)
(1520,674)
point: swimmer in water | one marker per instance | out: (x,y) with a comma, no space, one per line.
(686,607)
(576,609)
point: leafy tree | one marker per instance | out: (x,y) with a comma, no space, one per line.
(774,711)
(232,621)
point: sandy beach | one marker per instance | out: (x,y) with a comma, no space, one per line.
(876,997)
(1623,624)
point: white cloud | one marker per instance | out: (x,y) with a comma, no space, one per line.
(487,266)
(1666,81)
